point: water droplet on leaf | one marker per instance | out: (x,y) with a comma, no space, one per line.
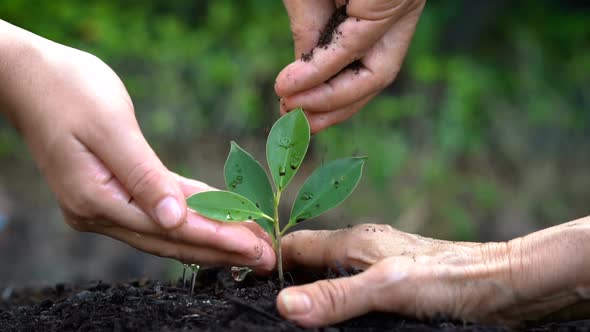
(240,273)
(306,196)
(302,217)
(285,142)
(228,217)
(237,181)
(282,171)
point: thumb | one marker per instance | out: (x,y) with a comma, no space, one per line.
(307,19)
(122,147)
(327,301)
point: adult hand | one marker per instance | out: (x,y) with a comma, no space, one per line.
(377,33)
(524,279)
(79,123)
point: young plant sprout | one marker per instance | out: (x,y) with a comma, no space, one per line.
(184,267)
(195,270)
(250,195)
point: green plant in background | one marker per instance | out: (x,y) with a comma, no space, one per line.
(250,195)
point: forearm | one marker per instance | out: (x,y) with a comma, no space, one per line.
(549,269)
(22,55)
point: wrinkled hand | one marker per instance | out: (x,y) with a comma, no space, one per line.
(403,273)
(377,33)
(79,123)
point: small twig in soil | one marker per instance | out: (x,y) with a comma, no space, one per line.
(252,307)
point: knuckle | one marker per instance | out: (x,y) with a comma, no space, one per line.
(333,296)
(142,178)
(80,206)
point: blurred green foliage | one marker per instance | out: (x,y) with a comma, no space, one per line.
(491,95)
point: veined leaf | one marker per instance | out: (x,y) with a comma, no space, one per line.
(286,146)
(326,188)
(245,176)
(224,206)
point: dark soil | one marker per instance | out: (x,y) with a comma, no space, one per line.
(330,29)
(218,304)
(328,33)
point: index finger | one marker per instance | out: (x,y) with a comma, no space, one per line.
(320,249)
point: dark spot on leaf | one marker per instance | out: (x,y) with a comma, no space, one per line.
(300,219)
(306,196)
(237,181)
(282,171)
(258,205)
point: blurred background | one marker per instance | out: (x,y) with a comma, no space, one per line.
(485,134)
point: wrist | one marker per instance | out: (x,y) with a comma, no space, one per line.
(538,274)
(22,55)
(552,269)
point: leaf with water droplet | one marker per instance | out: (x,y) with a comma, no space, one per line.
(240,273)
(245,176)
(286,145)
(306,196)
(224,206)
(326,188)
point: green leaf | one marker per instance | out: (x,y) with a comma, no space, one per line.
(224,206)
(245,176)
(286,146)
(326,188)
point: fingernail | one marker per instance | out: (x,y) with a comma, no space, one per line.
(168,212)
(296,303)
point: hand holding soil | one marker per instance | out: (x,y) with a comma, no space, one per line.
(511,282)
(79,123)
(347,52)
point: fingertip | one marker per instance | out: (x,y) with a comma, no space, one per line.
(295,304)
(325,302)
(170,212)
(265,263)
(281,83)
(258,231)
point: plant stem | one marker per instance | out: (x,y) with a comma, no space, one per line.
(278,235)
(286,228)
